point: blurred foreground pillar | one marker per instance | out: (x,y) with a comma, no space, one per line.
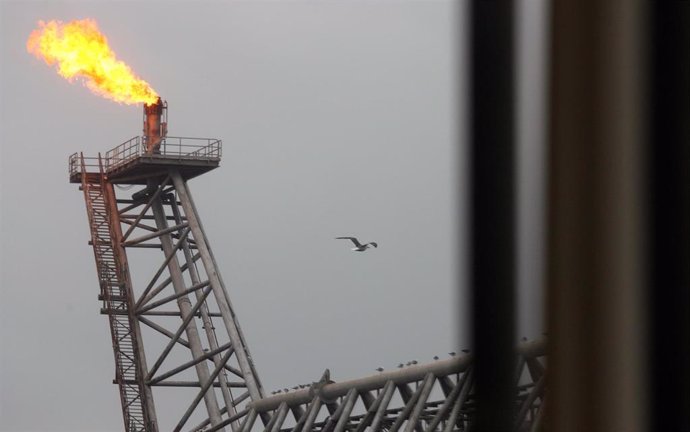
(669,216)
(493,214)
(596,218)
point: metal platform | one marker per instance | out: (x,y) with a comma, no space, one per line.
(129,163)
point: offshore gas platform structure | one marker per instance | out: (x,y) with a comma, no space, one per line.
(176,336)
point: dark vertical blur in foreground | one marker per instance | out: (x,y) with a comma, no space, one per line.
(668,152)
(618,224)
(492,217)
(595,234)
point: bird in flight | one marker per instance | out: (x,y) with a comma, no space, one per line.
(359,247)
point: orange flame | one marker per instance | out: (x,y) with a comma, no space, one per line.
(80,50)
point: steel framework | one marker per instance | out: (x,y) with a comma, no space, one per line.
(161,217)
(436,396)
(178,302)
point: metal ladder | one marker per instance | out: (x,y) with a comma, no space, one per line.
(115,297)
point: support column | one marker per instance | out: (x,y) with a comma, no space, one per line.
(231,325)
(206,319)
(185,307)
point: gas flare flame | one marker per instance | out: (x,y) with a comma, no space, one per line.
(79,50)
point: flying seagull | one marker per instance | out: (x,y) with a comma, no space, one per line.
(359,247)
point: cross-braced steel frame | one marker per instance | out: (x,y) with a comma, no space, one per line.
(184,301)
(176,299)
(437,396)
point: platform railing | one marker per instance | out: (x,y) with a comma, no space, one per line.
(77,165)
(170,147)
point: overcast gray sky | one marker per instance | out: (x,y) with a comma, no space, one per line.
(337,118)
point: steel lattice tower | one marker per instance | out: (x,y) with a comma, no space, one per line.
(183,303)
(161,217)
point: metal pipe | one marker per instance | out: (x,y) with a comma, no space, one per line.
(184,305)
(347,409)
(181,341)
(372,382)
(159,233)
(203,393)
(105,311)
(280,417)
(248,422)
(301,416)
(450,398)
(187,319)
(297,412)
(168,280)
(205,317)
(409,405)
(312,413)
(460,401)
(146,295)
(527,403)
(164,300)
(229,420)
(125,217)
(184,384)
(196,384)
(153,126)
(147,246)
(139,225)
(372,409)
(419,406)
(388,391)
(333,417)
(220,294)
(188,364)
(145,209)
(274,419)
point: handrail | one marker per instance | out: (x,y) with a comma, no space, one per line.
(178,147)
(78,164)
(170,147)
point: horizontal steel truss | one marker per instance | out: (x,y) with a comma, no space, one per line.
(436,396)
(182,303)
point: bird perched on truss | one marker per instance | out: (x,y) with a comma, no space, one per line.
(315,388)
(359,247)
